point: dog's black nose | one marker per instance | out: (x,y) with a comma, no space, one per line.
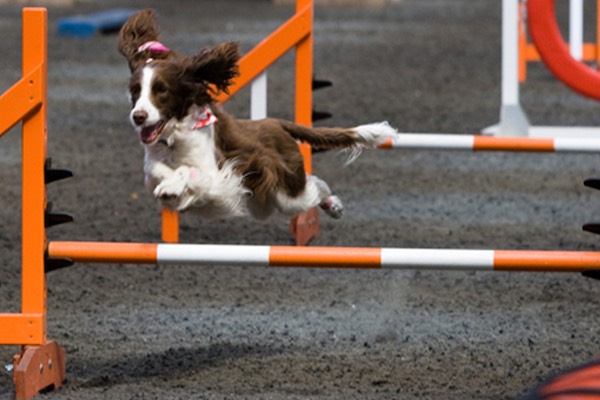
(139,117)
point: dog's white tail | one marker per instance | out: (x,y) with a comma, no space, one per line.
(352,140)
(376,133)
(372,135)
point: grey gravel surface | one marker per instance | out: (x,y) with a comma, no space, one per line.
(215,332)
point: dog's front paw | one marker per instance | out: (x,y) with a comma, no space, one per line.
(168,192)
(174,186)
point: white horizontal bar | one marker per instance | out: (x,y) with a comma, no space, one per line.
(553,131)
(212,254)
(452,141)
(576,145)
(433,141)
(436,258)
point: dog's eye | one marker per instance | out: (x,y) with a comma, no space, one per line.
(159,88)
(135,90)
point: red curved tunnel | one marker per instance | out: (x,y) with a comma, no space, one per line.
(548,40)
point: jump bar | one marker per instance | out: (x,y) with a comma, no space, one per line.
(331,257)
(492,143)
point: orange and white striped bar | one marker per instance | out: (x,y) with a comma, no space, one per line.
(492,143)
(332,257)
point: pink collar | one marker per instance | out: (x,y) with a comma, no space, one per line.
(153,46)
(205,118)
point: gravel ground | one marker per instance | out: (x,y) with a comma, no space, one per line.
(182,332)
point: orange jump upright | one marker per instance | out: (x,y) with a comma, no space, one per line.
(40,363)
(295,32)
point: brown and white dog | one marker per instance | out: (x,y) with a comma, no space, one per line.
(201,159)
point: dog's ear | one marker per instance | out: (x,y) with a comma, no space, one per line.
(217,66)
(140,28)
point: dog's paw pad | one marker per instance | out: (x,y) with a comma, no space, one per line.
(169,190)
(166,196)
(333,207)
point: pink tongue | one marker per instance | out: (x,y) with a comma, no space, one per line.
(148,133)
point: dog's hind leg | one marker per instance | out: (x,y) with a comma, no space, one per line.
(316,193)
(331,204)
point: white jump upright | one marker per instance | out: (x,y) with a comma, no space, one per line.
(258,97)
(513,121)
(576,29)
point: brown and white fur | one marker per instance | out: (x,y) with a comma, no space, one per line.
(232,166)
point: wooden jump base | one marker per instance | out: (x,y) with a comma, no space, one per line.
(492,143)
(333,257)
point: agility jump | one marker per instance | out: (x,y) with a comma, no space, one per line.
(333,257)
(28,99)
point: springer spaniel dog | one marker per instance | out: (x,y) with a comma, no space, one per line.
(200,159)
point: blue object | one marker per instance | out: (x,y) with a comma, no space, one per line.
(88,25)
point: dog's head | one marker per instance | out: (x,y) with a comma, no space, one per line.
(165,84)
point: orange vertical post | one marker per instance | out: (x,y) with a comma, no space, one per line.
(170,226)
(41,363)
(522,44)
(33,157)
(597,48)
(304,66)
(22,102)
(305,226)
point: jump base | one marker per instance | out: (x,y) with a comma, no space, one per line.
(38,368)
(305,227)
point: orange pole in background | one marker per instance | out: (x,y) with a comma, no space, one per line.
(597,52)
(291,33)
(304,74)
(522,45)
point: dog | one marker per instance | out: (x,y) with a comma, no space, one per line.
(200,159)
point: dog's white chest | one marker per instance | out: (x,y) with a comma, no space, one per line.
(184,172)
(196,148)
(191,148)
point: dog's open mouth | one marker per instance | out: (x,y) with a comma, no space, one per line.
(150,133)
